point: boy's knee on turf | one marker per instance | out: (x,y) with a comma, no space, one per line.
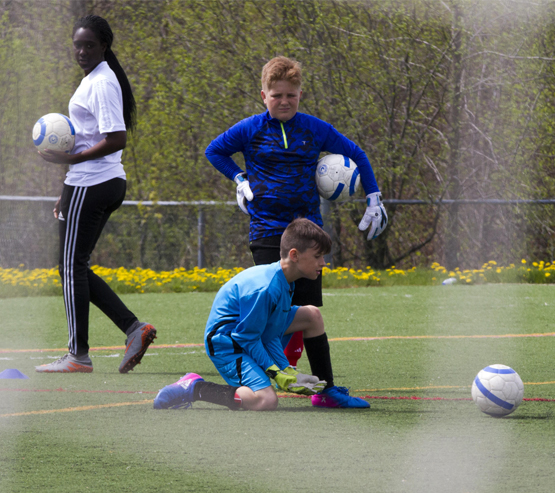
(269,403)
(261,400)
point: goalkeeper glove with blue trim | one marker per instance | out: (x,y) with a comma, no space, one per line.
(374,216)
(244,191)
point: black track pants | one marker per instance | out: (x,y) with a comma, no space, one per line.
(84,212)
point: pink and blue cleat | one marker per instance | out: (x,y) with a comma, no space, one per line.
(338,397)
(178,394)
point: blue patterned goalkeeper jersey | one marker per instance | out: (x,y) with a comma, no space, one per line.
(281,159)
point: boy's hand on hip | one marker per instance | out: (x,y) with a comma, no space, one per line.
(244,191)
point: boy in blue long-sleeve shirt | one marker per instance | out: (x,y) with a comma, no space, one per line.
(250,316)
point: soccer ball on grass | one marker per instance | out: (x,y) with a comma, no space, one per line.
(54,131)
(337,177)
(497,390)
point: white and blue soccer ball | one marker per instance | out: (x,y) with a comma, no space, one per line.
(337,177)
(497,390)
(54,131)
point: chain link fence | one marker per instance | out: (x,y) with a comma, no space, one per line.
(168,235)
(160,236)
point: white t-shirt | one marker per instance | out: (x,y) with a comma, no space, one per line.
(96,109)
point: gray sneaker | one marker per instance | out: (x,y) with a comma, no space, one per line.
(68,363)
(136,345)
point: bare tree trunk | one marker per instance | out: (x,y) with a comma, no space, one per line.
(452,244)
(79,8)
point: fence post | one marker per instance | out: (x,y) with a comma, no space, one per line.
(201,261)
(325,211)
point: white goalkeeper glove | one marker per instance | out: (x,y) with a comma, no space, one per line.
(375,216)
(290,380)
(244,191)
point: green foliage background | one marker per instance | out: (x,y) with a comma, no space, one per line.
(449,100)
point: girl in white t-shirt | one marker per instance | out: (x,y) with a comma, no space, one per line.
(101,110)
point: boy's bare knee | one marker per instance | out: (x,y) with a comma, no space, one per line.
(270,404)
(315,325)
(267,402)
(316,315)
(262,400)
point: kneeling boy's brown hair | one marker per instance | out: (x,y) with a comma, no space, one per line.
(303,234)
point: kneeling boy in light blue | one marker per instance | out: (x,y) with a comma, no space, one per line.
(250,323)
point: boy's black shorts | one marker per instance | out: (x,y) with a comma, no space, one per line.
(266,251)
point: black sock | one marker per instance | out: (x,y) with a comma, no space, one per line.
(224,395)
(318,354)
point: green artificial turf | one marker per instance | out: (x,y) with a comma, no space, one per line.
(67,432)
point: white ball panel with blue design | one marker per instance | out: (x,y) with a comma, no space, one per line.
(497,390)
(54,131)
(337,177)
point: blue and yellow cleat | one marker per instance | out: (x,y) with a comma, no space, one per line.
(178,394)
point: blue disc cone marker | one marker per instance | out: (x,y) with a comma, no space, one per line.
(13,373)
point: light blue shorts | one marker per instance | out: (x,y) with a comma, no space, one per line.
(240,370)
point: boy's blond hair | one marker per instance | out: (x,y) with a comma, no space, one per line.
(281,68)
